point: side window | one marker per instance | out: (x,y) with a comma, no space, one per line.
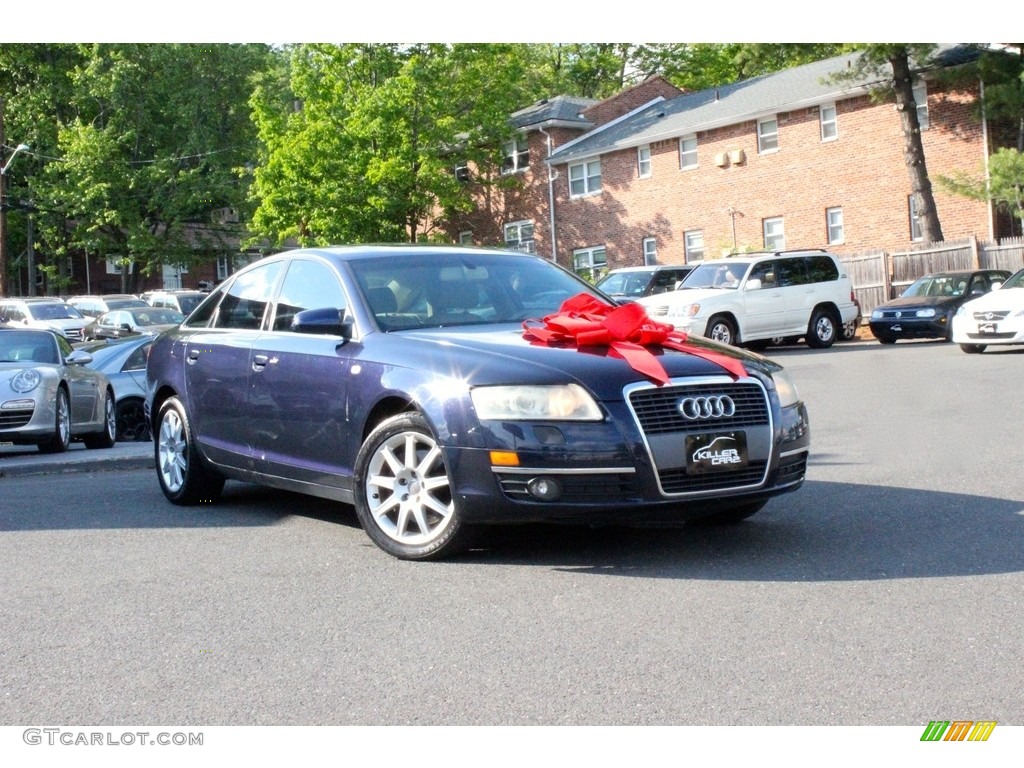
(307,285)
(246,300)
(65,346)
(821,269)
(765,272)
(790,272)
(137,360)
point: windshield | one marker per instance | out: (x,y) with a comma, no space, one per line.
(55,312)
(409,292)
(157,316)
(939,285)
(716,274)
(1016,280)
(625,283)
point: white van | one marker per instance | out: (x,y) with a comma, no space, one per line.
(752,298)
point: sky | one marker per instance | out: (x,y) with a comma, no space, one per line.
(296,21)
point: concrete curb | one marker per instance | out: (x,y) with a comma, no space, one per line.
(20,461)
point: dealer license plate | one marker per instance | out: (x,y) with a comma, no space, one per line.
(986,327)
(716,452)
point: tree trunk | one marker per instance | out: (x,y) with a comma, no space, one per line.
(913,149)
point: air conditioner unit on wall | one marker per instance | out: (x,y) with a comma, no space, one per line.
(721,159)
(737,156)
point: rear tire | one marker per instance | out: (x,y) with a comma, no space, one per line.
(183,476)
(132,424)
(821,331)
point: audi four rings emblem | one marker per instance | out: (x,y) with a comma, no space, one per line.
(716,407)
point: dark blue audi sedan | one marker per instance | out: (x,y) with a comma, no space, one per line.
(439,388)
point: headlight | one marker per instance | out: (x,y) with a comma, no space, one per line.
(26,380)
(926,313)
(876,314)
(683,310)
(786,388)
(568,402)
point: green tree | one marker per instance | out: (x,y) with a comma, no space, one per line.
(897,67)
(361,144)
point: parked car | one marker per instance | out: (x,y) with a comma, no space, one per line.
(122,323)
(996,318)
(634,282)
(755,298)
(420,384)
(123,362)
(94,306)
(48,397)
(926,308)
(45,313)
(183,301)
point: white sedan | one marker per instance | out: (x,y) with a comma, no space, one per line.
(995,318)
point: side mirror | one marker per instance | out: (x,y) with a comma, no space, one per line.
(329,321)
(78,357)
(754,284)
(996,285)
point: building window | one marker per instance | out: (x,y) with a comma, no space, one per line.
(829,126)
(519,237)
(115,265)
(585,178)
(916,232)
(774,234)
(223,267)
(590,263)
(834,222)
(650,251)
(693,243)
(688,152)
(462,171)
(466,237)
(921,99)
(517,155)
(767,135)
(643,162)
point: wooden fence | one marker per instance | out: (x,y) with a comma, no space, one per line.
(878,276)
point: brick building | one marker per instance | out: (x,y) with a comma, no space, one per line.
(788,160)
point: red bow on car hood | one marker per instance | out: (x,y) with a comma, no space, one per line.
(626,331)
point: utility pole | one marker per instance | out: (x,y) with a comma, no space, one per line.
(3,208)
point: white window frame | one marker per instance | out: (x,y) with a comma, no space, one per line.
(643,161)
(590,263)
(767,135)
(921,99)
(585,178)
(687,153)
(517,155)
(519,236)
(774,228)
(223,267)
(693,245)
(115,265)
(834,225)
(466,237)
(650,248)
(916,230)
(829,121)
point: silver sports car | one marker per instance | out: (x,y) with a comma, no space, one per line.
(48,397)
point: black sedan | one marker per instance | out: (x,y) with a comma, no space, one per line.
(430,387)
(925,309)
(122,323)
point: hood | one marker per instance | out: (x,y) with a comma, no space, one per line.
(682,296)
(501,355)
(916,302)
(1001,299)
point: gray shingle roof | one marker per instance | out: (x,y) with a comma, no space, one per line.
(562,109)
(803,86)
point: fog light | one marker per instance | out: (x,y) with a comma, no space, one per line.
(544,488)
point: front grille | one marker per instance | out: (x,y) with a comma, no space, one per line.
(991,316)
(74,334)
(658,412)
(678,481)
(15,419)
(587,487)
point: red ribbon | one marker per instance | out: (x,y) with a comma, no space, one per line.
(627,332)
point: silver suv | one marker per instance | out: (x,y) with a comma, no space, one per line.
(49,313)
(752,298)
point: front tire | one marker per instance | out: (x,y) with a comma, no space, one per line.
(108,436)
(403,493)
(721,329)
(183,476)
(821,331)
(973,349)
(61,439)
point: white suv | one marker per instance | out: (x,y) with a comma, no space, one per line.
(752,298)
